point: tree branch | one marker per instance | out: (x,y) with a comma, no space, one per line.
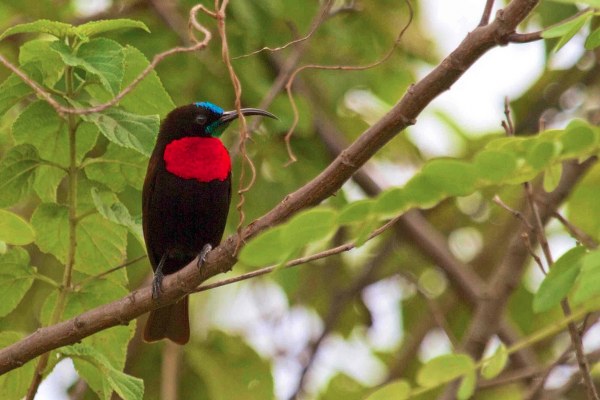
(324,185)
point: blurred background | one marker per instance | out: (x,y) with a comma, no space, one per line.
(332,329)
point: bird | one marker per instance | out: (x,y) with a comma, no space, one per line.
(185,202)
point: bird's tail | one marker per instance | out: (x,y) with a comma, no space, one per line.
(170,322)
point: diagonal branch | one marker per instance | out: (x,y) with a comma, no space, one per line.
(324,185)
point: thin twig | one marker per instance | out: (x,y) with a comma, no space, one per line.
(62,110)
(89,279)
(576,232)
(288,85)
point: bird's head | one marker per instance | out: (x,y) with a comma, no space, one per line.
(203,119)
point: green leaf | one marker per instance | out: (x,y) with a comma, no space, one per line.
(127,387)
(559,280)
(444,369)
(246,371)
(355,212)
(117,167)
(47,179)
(454,177)
(420,192)
(591,3)
(397,390)
(496,363)
(495,165)
(552,177)
(307,227)
(12,90)
(17,173)
(14,384)
(101,57)
(48,63)
(51,222)
(266,248)
(40,126)
(577,138)
(567,29)
(14,229)
(593,40)
(390,203)
(149,96)
(106,25)
(16,277)
(541,154)
(467,386)
(101,245)
(54,28)
(116,212)
(137,132)
(589,278)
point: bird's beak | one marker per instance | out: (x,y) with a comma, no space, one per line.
(229,116)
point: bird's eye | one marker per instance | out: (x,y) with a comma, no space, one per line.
(201,119)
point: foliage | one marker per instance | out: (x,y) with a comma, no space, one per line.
(70,188)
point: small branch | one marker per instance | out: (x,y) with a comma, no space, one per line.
(487,11)
(576,232)
(524,37)
(89,279)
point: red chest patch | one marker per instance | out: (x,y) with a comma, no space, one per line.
(201,158)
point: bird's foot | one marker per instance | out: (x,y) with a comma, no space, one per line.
(203,253)
(156,284)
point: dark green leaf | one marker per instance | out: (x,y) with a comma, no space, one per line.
(559,280)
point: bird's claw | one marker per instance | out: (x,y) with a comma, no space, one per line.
(156,284)
(203,253)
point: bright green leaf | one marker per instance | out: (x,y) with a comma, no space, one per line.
(14,229)
(496,363)
(307,227)
(591,3)
(589,278)
(16,277)
(266,248)
(467,386)
(552,177)
(593,40)
(106,25)
(541,154)
(397,390)
(559,280)
(578,138)
(17,173)
(355,212)
(453,177)
(54,28)
(137,132)
(390,202)
(444,369)
(420,192)
(567,29)
(495,165)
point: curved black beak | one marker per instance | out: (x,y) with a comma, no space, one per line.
(229,116)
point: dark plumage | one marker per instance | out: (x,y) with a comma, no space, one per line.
(185,202)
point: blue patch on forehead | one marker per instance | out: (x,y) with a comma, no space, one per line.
(210,106)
